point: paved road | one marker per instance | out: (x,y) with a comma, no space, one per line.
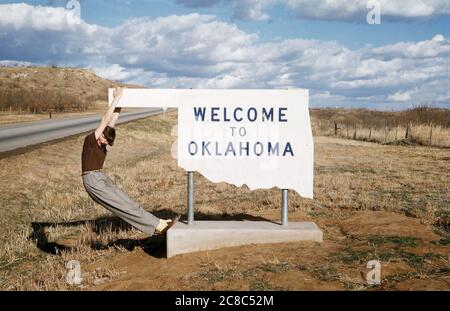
(31,133)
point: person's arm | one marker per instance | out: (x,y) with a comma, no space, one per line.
(107,118)
(115,116)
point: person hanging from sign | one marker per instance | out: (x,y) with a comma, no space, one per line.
(101,188)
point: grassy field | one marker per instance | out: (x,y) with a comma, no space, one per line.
(425,126)
(373,201)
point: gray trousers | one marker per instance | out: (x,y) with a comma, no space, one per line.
(102,190)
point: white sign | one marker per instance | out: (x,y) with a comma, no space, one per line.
(261,138)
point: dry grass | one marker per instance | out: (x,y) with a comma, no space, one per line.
(423,126)
(44,207)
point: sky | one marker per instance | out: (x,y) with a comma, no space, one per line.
(338,49)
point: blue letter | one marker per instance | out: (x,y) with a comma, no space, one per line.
(262,148)
(240,146)
(199,112)
(230,148)
(225,115)
(236,118)
(214,114)
(255,114)
(217,149)
(267,114)
(275,149)
(205,147)
(288,149)
(189,148)
(282,114)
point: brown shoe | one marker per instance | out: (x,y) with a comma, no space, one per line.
(169,225)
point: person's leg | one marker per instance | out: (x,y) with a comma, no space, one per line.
(101,188)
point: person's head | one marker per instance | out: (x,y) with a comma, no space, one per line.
(108,136)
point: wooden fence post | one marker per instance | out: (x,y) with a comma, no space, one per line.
(431,133)
(354,133)
(385,133)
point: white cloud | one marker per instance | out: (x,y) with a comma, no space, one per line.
(14,63)
(251,9)
(437,46)
(444,97)
(438,38)
(400,97)
(200,51)
(242,9)
(40,18)
(343,10)
(117,72)
(356,10)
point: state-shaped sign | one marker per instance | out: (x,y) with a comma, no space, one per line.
(261,138)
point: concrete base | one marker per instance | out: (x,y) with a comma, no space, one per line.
(207,235)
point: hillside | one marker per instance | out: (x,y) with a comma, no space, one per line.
(39,89)
(418,115)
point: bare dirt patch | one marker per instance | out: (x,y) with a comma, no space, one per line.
(386,224)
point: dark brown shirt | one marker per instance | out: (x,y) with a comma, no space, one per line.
(93,155)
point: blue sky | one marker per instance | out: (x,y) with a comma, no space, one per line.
(329,49)
(282,24)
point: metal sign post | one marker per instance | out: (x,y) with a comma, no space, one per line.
(284,207)
(191,198)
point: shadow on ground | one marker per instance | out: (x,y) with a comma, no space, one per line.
(154,246)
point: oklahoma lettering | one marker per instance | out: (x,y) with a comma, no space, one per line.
(242,148)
